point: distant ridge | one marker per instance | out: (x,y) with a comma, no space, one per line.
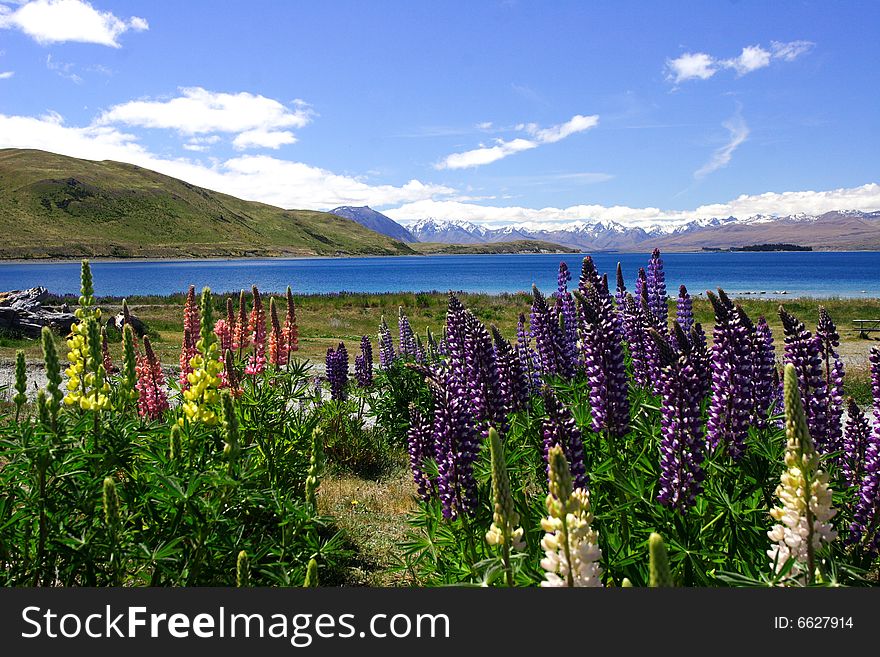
(844,230)
(376,221)
(57,206)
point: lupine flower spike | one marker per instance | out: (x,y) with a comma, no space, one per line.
(202,396)
(571,545)
(658,562)
(152,399)
(257,327)
(805,510)
(505,530)
(191,331)
(241,335)
(277,348)
(53,375)
(291,329)
(420,445)
(865,528)
(363,364)
(20,396)
(857,438)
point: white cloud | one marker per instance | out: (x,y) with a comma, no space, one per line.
(5,75)
(690,65)
(751,59)
(201,144)
(865,198)
(59,21)
(488,154)
(791,50)
(263,139)
(64,69)
(271,180)
(197,110)
(702,66)
(739,132)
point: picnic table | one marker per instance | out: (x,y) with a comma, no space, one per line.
(865,326)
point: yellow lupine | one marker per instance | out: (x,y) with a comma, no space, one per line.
(203,395)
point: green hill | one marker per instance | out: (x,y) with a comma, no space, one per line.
(57,206)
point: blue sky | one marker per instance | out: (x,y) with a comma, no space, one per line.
(637,112)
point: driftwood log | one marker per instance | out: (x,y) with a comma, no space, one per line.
(22,312)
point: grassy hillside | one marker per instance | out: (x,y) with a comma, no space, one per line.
(516,246)
(57,206)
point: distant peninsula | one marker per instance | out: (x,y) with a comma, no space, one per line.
(515,246)
(763,247)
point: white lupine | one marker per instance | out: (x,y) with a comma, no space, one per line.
(570,545)
(803,519)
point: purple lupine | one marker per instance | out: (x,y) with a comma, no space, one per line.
(559,428)
(856,438)
(566,305)
(386,346)
(526,355)
(681,427)
(456,447)
(603,361)
(865,527)
(420,445)
(337,371)
(656,286)
(455,337)
(363,364)
(407,339)
(513,381)
(620,295)
(828,340)
(554,357)
(481,377)
(730,406)
(700,359)
(874,359)
(634,330)
(652,357)
(684,310)
(803,351)
(763,392)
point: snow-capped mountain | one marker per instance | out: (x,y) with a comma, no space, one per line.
(832,230)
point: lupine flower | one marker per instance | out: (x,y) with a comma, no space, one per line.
(224,334)
(20,396)
(620,294)
(805,510)
(407,337)
(764,366)
(291,329)
(420,445)
(128,382)
(456,447)
(202,396)
(828,340)
(566,310)
(386,346)
(684,310)
(241,336)
(554,357)
(87,384)
(656,287)
(229,377)
(636,337)
(363,364)
(571,545)
(191,331)
(53,375)
(602,347)
(257,328)
(513,381)
(681,427)
(526,355)
(559,428)
(659,575)
(242,570)
(865,528)
(730,407)
(152,399)
(802,351)
(277,347)
(481,376)
(700,360)
(337,371)
(105,352)
(856,439)
(505,530)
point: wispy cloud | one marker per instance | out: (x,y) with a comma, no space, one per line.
(738,133)
(5,75)
(702,66)
(60,21)
(63,69)
(501,148)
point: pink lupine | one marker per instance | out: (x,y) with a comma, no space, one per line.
(291,330)
(224,334)
(152,400)
(277,347)
(240,334)
(105,352)
(191,329)
(257,327)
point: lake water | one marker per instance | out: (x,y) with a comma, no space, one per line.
(855,274)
